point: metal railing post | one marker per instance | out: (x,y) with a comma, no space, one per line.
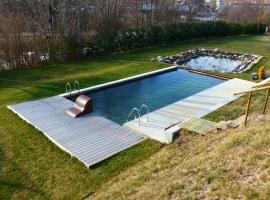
(147,111)
(68,86)
(138,112)
(78,84)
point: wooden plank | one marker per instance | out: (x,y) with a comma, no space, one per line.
(248,107)
(197,125)
(266,101)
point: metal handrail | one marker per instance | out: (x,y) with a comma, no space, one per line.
(78,84)
(147,111)
(68,86)
(138,112)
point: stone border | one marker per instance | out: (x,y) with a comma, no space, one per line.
(248,60)
(118,82)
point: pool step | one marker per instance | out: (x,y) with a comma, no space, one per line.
(198,125)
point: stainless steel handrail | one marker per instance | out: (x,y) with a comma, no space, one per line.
(137,111)
(76,83)
(68,86)
(147,111)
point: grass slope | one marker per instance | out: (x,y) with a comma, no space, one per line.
(229,165)
(31,167)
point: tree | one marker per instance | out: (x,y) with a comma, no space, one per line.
(192,8)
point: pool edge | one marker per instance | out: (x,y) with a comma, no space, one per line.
(120,81)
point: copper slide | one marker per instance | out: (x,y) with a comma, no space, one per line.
(82,106)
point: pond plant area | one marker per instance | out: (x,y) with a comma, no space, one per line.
(212,60)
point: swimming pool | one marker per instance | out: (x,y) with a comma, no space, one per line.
(115,103)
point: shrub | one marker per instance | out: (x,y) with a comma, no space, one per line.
(156,35)
(261,73)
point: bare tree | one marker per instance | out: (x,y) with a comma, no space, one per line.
(245,12)
(108,15)
(192,8)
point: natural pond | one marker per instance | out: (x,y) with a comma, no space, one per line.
(212,60)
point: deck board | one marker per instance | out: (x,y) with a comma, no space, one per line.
(197,125)
(90,138)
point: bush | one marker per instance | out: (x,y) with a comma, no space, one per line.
(156,35)
(261,73)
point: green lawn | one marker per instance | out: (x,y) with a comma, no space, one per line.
(31,167)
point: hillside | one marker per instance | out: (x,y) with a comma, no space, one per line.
(234,164)
(32,167)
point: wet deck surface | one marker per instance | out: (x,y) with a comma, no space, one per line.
(90,138)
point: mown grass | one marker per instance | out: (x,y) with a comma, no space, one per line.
(31,167)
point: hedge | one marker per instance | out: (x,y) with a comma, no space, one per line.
(156,35)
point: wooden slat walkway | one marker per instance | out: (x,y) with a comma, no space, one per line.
(195,106)
(90,138)
(198,125)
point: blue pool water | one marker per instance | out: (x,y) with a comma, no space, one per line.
(115,103)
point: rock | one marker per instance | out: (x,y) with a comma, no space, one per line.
(160,59)
(221,126)
(254,76)
(167,61)
(247,60)
(232,125)
(259,118)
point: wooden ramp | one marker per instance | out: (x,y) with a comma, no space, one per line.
(198,125)
(90,138)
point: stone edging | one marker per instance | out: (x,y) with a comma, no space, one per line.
(247,60)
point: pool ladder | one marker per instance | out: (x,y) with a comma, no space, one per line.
(76,87)
(138,113)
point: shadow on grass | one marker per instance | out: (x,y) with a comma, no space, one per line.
(12,186)
(3,158)
(15,181)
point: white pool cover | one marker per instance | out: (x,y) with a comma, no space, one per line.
(214,64)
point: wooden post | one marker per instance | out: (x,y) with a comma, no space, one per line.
(266,101)
(248,106)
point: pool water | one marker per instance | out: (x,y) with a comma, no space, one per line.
(214,64)
(115,103)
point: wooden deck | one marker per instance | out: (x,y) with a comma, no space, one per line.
(195,106)
(90,138)
(197,125)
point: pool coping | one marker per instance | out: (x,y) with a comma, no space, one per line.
(207,73)
(118,82)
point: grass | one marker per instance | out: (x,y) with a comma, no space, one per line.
(31,167)
(229,165)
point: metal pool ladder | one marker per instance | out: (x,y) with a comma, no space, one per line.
(68,87)
(147,111)
(76,87)
(76,83)
(138,113)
